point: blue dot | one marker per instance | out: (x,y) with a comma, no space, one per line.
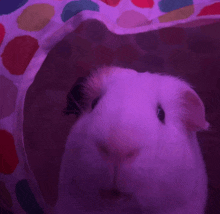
(170,5)
(74,7)
(7,6)
(26,198)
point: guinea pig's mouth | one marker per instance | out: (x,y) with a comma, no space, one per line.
(114,194)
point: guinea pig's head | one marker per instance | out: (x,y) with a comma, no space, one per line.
(135,136)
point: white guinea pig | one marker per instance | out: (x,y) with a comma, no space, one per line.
(133,149)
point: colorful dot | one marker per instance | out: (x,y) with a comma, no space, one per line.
(2,33)
(74,7)
(170,5)
(7,7)
(35,17)
(5,196)
(213,9)
(179,14)
(8,95)
(131,19)
(18,54)
(143,3)
(112,3)
(172,35)
(8,155)
(26,198)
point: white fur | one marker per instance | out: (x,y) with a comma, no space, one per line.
(165,173)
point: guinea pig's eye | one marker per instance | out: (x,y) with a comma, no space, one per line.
(160,114)
(95,102)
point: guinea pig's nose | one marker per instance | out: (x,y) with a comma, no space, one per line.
(110,194)
(117,155)
(114,194)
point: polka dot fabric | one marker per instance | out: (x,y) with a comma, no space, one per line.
(29,30)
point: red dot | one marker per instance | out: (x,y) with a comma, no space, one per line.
(213,9)
(112,3)
(143,3)
(2,33)
(8,155)
(18,54)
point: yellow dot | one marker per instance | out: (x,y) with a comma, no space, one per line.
(179,14)
(35,17)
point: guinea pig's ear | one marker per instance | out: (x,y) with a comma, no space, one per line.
(86,92)
(194,117)
(75,101)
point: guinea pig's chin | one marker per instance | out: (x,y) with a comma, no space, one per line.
(105,199)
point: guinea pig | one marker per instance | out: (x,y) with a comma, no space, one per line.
(133,149)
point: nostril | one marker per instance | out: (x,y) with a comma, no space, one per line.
(104,150)
(130,154)
(110,194)
(114,194)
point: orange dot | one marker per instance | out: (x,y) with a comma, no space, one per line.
(143,3)
(130,19)
(8,155)
(178,14)
(35,17)
(18,54)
